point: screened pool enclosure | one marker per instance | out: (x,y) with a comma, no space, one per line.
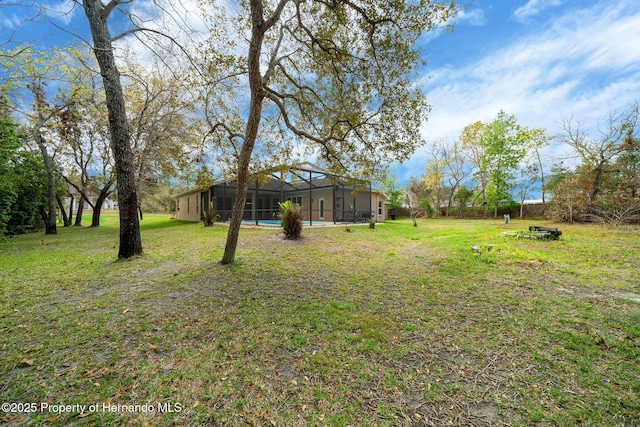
(323,196)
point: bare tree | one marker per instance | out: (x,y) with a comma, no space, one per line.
(538,141)
(434,174)
(597,153)
(528,177)
(12,30)
(160,112)
(413,199)
(84,137)
(457,169)
(38,133)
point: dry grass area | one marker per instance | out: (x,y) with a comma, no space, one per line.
(397,326)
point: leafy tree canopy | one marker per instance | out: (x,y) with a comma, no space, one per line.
(331,78)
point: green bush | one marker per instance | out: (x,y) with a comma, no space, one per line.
(29,190)
(291,219)
(509,206)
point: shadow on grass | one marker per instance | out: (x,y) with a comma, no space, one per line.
(155,223)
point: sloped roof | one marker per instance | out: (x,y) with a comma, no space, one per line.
(299,183)
(310,167)
(185,193)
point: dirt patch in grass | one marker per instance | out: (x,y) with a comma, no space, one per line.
(632,296)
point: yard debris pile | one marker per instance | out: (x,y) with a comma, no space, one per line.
(536,232)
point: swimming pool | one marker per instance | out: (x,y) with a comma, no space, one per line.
(272,222)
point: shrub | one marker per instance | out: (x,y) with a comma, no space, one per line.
(209,215)
(291,219)
(616,208)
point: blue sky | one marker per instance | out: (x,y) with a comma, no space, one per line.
(541,60)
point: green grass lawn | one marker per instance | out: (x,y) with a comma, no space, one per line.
(397,326)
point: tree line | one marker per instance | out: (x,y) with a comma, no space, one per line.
(56,139)
(498,165)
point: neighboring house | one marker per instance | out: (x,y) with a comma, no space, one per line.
(323,196)
(74,195)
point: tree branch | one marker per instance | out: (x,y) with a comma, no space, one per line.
(324,143)
(275,17)
(108,8)
(168,37)
(273,60)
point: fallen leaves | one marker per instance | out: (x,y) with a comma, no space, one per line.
(26,362)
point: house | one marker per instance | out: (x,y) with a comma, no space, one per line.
(73,199)
(323,196)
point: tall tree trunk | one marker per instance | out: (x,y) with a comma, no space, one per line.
(542,184)
(97,208)
(63,212)
(78,222)
(251,131)
(450,202)
(72,198)
(130,239)
(495,208)
(596,184)
(50,217)
(45,218)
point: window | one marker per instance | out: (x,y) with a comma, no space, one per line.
(379,208)
(296,200)
(188,203)
(321,208)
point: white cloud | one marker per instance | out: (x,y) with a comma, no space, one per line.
(62,11)
(546,75)
(11,22)
(584,64)
(534,7)
(474,17)
(15,16)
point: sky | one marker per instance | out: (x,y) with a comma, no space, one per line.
(542,61)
